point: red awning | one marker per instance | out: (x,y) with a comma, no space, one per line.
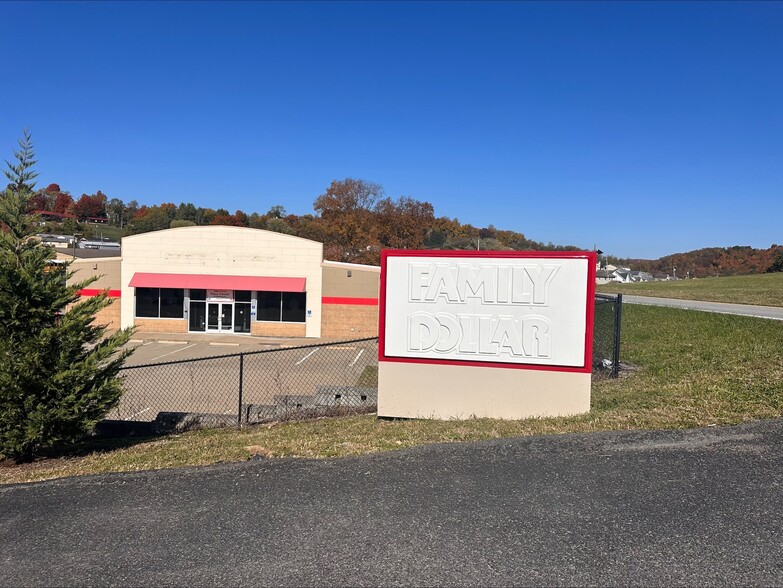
(259,283)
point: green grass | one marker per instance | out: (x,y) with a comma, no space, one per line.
(108,232)
(693,369)
(763,289)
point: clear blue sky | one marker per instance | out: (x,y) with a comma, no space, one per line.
(646,129)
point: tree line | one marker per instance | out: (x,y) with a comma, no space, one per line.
(353,218)
(711,261)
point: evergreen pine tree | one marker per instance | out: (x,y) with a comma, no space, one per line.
(58,372)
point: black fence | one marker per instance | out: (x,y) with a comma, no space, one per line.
(292,382)
(606,335)
(252,387)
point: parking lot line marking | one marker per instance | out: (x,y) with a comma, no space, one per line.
(306,356)
(175,351)
(133,416)
(355,359)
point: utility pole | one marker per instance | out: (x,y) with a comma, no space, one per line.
(75,238)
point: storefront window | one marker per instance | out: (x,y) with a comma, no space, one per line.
(241,317)
(294,307)
(159,302)
(172,302)
(198,316)
(282,306)
(269,306)
(147,302)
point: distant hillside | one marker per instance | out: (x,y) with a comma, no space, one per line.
(711,261)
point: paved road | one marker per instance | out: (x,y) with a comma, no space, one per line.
(699,507)
(768,312)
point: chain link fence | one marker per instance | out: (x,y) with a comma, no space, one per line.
(252,387)
(606,335)
(289,383)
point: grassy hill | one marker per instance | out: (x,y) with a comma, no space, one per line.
(764,289)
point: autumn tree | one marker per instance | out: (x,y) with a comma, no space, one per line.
(223,217)
(345,213)
(153,218)
(63,203)
(777,263)
(116,211)
(93,205)
(404,223)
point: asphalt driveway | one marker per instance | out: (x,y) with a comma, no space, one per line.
(698,507)
(767,312)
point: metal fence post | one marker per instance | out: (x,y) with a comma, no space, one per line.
(241,377)
(618,317)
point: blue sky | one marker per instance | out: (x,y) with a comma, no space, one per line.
(644,128)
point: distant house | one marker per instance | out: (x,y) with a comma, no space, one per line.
(625,275)
(108,245)
(604,276)
(58,217)
(60,241)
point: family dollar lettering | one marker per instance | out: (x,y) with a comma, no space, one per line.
(442,332)
(496,284)
(483,332)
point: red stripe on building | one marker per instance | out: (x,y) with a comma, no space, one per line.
(354,301)
(95,292)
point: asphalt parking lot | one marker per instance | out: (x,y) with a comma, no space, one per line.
(646,508)
(156,348)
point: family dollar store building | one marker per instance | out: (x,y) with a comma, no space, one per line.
(221,279)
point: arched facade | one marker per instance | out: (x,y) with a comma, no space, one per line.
(221,279)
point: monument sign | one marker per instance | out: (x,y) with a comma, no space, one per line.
(485,334)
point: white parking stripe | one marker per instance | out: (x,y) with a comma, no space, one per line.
(133,416)
(306,356)
(355,359)
(175,351)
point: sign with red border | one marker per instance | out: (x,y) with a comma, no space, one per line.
(501,309)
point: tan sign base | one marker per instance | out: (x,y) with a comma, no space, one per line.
(439,391)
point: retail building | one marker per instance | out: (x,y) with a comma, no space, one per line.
(221,279)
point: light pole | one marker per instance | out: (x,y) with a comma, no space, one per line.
(75,238)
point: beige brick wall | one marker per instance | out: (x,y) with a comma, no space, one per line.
(364,281)
(349,320)
(109,316)
(153,325)
(270,329)
(106,268)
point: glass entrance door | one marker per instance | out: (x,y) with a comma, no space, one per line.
(219,317)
